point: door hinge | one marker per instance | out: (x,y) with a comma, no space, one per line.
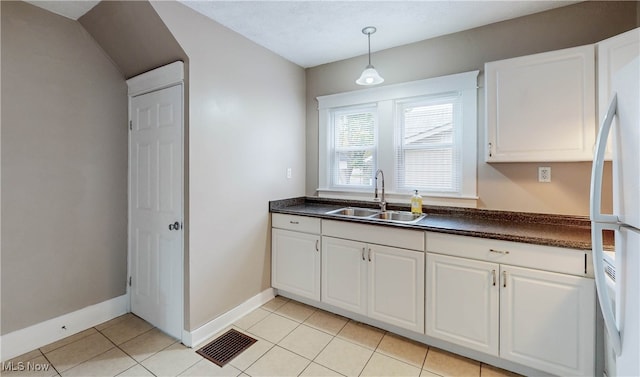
(129,280)
(130,125)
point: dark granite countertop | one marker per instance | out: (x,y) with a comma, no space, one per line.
(540,229)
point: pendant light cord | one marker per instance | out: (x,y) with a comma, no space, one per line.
(369,39)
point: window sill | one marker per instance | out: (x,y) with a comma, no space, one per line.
(400,198)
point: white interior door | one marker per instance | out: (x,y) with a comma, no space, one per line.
(156,207)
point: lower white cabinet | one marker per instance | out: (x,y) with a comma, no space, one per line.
(462,302)
(295,259)
(529,304)
(544,320)
(344,274)
(547,321)
(381,282)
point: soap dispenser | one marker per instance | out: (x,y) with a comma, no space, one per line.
(416,203)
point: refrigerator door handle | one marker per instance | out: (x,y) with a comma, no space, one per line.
(598,165)
(601,284)
(628,227)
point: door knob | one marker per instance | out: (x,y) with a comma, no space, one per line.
(174,226)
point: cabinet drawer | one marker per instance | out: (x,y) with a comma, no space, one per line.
(548,258)
(403,238)
(297,223)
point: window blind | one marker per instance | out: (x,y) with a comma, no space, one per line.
(428,149)
(354,144)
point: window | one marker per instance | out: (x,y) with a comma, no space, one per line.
(427,148)
(354,147)
(422,134)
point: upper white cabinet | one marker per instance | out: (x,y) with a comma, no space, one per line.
(613,54)
(541,107)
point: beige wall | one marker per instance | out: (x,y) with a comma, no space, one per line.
(133,35)
(64,169)
(500,186)
(246,128)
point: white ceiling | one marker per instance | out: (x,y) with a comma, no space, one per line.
(315,32)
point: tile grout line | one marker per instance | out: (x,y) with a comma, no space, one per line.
(274,344)
(50,363)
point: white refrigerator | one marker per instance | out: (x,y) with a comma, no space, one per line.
(621,313)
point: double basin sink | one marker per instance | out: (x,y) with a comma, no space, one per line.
(373,214)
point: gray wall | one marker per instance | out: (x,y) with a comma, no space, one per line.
(245,129)
(133,35)
(64,169)
(508,186)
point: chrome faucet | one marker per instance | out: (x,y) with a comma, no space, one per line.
(383,204)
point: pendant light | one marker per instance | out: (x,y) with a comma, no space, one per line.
(369,76)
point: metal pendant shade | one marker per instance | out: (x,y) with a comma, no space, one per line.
(369,76)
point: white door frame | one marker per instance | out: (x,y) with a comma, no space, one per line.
(159,78)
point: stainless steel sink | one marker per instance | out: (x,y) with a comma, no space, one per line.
(400,216)
(354,212)
(373,214)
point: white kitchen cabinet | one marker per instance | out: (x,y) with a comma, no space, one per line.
(462,305)
(613,54)
(381,282)
(547,321)
(295,255)
(396,287)
(344,274)
(476,297)
(541,107)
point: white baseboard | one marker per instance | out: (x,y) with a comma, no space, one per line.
(206,331)
(24,340)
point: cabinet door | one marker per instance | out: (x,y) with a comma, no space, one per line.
(295,263)
(547,321)
(396,286)
(344,274)
(462,302)
(541,107)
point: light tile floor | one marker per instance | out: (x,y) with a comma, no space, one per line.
(293,340)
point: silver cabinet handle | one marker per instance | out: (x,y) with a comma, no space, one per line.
(317,243)
(369,254)
(493,276)
(504,279)
(363,253)
(503,252)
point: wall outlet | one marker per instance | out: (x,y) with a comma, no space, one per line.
(289,173)
(544,174)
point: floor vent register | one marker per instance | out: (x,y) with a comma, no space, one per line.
(225,347)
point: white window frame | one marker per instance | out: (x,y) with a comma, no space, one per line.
(387,99)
